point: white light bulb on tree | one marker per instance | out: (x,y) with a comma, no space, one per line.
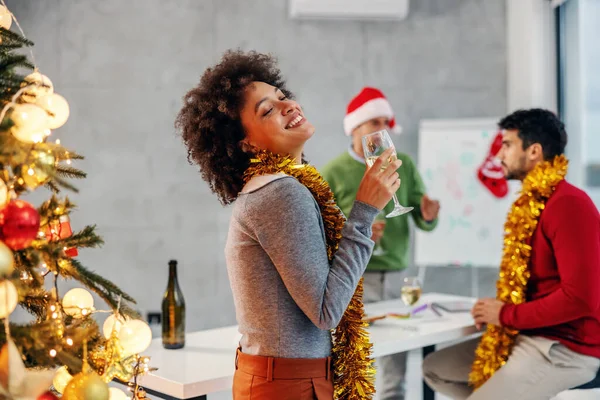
(57,108)
(5,18)
(38,85)
(35,137)
(3,193)
(112,322)
(7,260)
(116,394)
(29,121)
(76,301)
(61,379)
(135,337)
(8,298)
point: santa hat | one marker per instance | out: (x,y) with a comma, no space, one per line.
(368,104)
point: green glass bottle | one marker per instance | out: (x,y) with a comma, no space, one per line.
(173,312)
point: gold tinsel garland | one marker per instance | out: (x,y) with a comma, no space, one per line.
(353,372)
(497,343)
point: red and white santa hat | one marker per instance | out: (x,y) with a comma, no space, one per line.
(368,104)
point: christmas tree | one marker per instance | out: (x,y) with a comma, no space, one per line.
(62,349)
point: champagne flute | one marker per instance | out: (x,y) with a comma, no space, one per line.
(411,290)
(373,145)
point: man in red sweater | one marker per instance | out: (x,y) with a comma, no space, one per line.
(558,345)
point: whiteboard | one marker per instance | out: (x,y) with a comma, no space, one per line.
(471,219)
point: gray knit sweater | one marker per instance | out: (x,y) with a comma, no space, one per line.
(287,296)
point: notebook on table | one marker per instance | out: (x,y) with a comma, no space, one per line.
(453,306)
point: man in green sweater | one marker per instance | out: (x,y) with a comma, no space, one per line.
(368,112)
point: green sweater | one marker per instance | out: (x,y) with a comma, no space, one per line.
(344,174)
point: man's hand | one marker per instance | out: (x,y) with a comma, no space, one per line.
(378,228)
(429,208)
(487,311)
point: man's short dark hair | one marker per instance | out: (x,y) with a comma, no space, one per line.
(538,126)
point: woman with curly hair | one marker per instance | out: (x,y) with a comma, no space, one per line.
(294,261)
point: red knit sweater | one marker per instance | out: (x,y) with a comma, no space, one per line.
(563,293)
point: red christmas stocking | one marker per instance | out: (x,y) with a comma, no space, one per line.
(490,173)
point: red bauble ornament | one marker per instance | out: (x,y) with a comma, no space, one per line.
(19,224)
(47,396)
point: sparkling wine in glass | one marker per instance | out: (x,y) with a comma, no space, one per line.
(374,145)
(411,291)
(379,220)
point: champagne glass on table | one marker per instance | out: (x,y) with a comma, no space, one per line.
(411,290)
(373,145)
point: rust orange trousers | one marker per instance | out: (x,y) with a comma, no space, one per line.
(273,378)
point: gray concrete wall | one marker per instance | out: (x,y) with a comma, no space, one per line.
(124,66)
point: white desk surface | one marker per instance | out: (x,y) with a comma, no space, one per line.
(206,363)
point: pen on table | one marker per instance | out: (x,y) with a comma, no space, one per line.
(435,310)
(419,309)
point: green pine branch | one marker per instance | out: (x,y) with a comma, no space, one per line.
(52,187)
(87,237)
(49,208)
(59,152)
(26,259)
(35,338)
(70,172)
(104,288)
(10,62)
(60,182)
(10,81)
(9,37)
(36,302)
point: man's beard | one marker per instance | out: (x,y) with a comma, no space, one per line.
(518,173)
(514,175)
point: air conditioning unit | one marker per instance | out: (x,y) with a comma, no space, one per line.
(393,10)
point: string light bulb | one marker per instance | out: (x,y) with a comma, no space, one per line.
(61,379)
(9,298)
(76,301)
(5,18)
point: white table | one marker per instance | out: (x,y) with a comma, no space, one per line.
(206,364)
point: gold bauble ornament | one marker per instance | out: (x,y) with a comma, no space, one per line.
(86,386)
(35,172)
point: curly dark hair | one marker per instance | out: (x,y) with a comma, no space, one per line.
(538,126)
(209,121)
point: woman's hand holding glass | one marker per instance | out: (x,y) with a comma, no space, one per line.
(380,181)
